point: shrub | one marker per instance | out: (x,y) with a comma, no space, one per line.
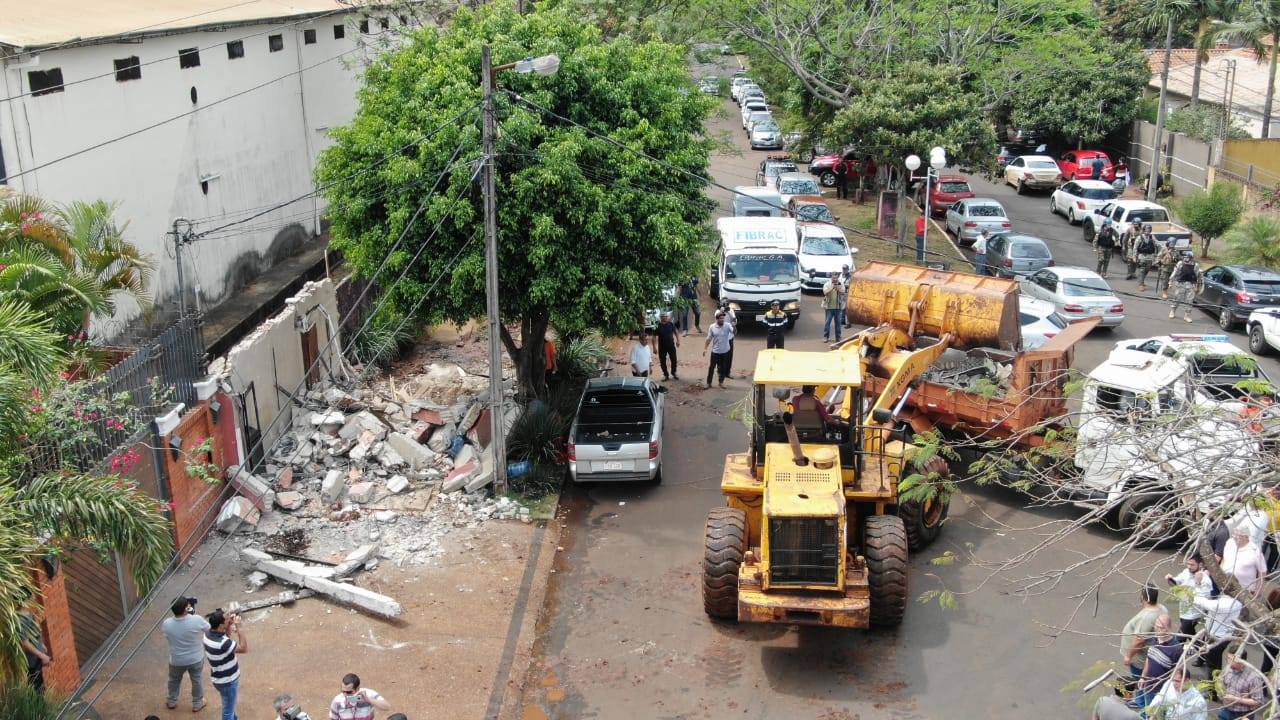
(22,702)
(581,358)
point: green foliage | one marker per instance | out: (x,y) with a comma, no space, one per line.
(21,702)
(916,108)
(1255,241)
(72,418)
(1204,124)
(581,358)
(199,462)
(946,559)
(385,339)
(1210,213)
(946,598)
(538,434)
(588,232)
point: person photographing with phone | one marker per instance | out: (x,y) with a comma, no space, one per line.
(222,643)
(355,702)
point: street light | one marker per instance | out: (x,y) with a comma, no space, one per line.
(937,161)
(544,65)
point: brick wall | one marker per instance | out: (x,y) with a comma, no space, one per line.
(195,502)
(64,673)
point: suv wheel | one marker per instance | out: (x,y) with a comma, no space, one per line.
(1022,190)
(1226,320)
(827,179)
(1088,231)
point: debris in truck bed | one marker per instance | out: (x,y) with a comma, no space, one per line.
(971,372)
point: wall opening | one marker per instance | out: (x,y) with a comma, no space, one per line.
(235,49)
(189,58)
(364,26)
(275,43)
(339,32)
(310,353)
(128,69)
(43,82)
(308,37)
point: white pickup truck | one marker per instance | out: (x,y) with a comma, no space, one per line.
(1123,213)
(1263,327)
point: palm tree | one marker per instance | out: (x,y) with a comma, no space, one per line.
(102,253)
(1259,28)
(1255,241)
(1211,18)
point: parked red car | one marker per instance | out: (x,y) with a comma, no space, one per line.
(1078,165)
(945,192)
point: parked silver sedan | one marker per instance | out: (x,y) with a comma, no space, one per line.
(1076,294)
(1011,255)
(968,218)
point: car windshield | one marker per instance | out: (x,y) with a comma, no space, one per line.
(799,187)
(766,126)
(953,187)
(986,211)
(1029,250)
(815,213)
(1097,194)
(824,246)
(1235,366)
(1147,215)
(1042,165)
(762,268)
(1085,287)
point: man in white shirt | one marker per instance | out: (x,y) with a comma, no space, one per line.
(1195,577)
(1220,615)
(641,356)
(1180,699)
(980,253)
(1242,558)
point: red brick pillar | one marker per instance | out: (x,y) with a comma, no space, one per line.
(64,674)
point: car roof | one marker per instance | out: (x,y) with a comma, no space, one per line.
(820,229)
(1069,271)
(1020,239)
(1038,157)
(1195,343)
(1253,272)
(1089,153)
(808,200)
(1036,306)
(1092,184)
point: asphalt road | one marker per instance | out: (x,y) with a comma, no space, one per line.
(623,634)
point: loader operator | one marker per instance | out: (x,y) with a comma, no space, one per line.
(810,413)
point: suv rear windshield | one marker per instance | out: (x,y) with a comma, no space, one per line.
(773,169)
(799,187)
(986,211)
(814,213)
(1042,165)
(1098,194)
(1147,215)
(1267,287)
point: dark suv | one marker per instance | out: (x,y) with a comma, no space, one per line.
(1231,292)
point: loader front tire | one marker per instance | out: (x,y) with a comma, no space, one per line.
(923,520)
(885,547)
(725,546)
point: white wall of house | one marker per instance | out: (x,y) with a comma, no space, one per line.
(252,151)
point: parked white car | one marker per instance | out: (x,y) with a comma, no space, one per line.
(752,106)
(823,252)
(791,184)
(1076,294)
(1078,199)
(1032,172)
(1039,321)
(766,136)
(736,86)
(1263,327)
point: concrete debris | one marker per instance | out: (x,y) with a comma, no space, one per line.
(440,439)
(459,478)
(257,579)
(465,456)
(398,484)
(361,492)
(290,500)
(284,598)
(469,420)
(334,419)
(333,486)
(388,457)
(483,476)
(361,422)
(411,450)
(257,490)
(355,560)
(385,516)
(318,578)
(337,398)
(236,513)
(284,480)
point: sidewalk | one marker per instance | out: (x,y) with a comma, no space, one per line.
(460,647)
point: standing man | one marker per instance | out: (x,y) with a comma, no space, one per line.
(719,336)
(224,668)
(1145,251)
(1187,282)
(33,648)
(1243,688)
(355,702)
(831,291)
(668,339)
(980,252)
(920,237)
(846,277)
(1165,260)
(185,634)
(1128,246)
(1244,560)
(641,356)
(690,303)
(1140,628)
(841,170)
(1163,653)
(1104,244)
(1192,576)
(1220,615)
(1098,166)
(776,322)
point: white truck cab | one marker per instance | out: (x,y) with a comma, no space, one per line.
(1220,370)
(757,264)
(1146,435)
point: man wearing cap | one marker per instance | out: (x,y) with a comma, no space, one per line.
(1187,282)
(185,634)
(1128,248)
(776,322)
(1105,245)
(845,278)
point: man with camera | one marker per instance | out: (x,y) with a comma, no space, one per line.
(355,702)
(288,709)
(224,667)
(185,633)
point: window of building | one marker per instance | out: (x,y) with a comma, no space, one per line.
(384,23)
(128,69)
(364,26)
(235,49)
(309,37)
(339,32)
(404,19)
(189,58)
(43,82)
(275,43)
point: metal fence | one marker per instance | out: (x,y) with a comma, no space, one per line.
(148,381)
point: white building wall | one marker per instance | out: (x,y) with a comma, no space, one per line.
(258,148)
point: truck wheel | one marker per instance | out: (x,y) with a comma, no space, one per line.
(885,547)
(1148,520)
(726,544)
(923,520)
(827,178)
(1258,341)
(791,323)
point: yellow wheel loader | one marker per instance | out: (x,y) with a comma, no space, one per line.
(813,531)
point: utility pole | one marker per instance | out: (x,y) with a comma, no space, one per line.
(497,440)
(180,238)
(1152,184)
(1230,93)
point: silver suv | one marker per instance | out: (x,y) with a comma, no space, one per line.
(617,432)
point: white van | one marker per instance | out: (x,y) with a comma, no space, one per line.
(754,201)
(758,264)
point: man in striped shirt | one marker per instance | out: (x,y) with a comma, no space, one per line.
(224,669)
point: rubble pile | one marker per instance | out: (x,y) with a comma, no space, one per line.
(395,467)
(971,372)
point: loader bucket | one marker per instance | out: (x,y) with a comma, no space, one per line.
(978,311)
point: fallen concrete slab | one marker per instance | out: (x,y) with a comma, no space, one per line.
(355,560)
(318,579)
(284,598)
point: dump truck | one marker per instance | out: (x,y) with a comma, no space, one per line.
(813,530)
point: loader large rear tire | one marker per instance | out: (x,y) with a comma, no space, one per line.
(885,547)
(923,520)
(726,544)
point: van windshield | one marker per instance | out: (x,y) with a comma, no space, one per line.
(762,268)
